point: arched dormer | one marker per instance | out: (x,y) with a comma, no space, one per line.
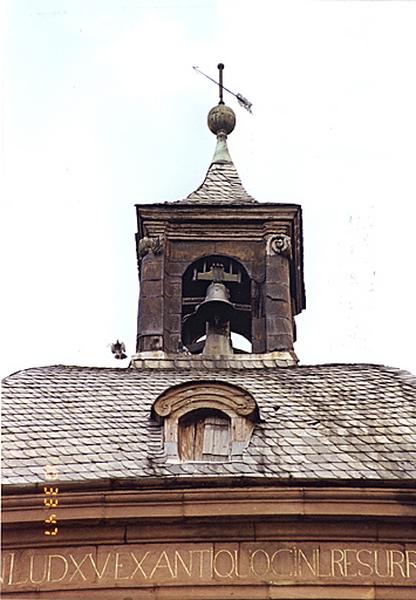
(205,421)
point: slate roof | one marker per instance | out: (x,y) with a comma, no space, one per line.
(222,184)
(341,422)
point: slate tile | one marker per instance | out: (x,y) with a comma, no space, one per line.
(366,418)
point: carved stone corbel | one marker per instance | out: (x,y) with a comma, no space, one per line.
(279,243)
(154,245)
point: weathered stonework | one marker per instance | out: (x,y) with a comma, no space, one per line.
(207,542)
(147,244)
(279,244)
(249,236)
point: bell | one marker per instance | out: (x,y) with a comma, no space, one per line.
(211,318)
(216,304)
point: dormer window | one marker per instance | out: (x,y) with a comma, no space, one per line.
(204,435)
(205,421)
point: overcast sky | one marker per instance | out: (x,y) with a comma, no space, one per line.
(102,110)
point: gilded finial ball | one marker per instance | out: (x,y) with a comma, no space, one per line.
(221,119)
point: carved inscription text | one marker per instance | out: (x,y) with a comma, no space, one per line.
(154,564)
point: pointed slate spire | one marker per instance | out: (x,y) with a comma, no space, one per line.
(222,184)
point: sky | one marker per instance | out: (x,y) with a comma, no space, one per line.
(101,110)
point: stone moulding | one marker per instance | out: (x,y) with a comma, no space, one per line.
(191,396)
(81,504)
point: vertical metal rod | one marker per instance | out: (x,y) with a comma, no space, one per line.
(220,69)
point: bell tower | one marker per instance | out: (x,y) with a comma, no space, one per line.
(219,263)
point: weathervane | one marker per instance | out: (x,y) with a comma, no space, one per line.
(241,100)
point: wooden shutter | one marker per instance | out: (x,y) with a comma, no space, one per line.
(216,438)
(206,437)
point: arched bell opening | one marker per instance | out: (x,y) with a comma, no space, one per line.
(198,292)
(241,344)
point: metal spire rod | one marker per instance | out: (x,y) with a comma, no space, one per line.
(241,100)
(221,86)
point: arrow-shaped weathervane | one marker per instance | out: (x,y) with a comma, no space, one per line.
(241,100)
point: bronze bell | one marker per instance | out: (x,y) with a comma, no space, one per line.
(216,304)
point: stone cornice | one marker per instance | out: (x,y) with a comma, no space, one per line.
(252,502)
(199,211)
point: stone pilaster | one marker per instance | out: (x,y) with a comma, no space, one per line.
(277,299)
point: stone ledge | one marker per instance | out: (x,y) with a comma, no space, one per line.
(162,360)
